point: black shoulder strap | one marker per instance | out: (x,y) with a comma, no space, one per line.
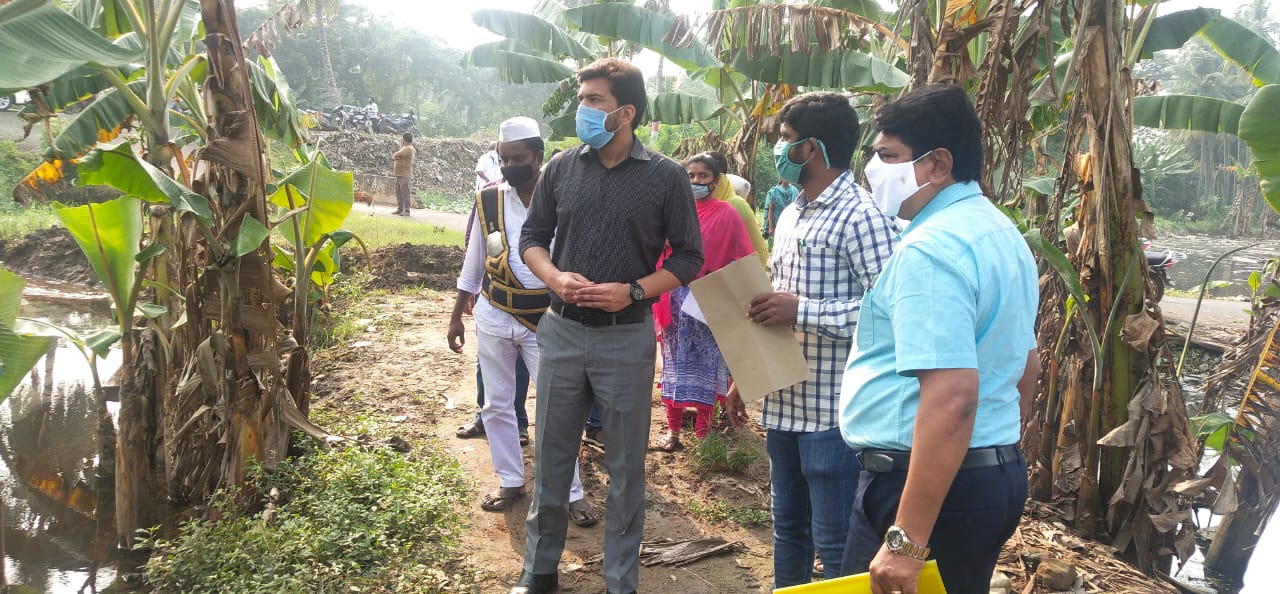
(489,209)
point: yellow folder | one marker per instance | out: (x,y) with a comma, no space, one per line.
(930,583)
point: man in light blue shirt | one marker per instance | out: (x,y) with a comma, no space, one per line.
(945,350)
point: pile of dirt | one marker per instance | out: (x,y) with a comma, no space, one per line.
(443,166)
(410,265)
(51,254)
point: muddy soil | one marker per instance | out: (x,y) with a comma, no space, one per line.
(409,265)
(403,370)
(51,254)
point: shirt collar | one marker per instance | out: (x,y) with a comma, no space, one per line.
(638,151)
(948,196)
(833,191)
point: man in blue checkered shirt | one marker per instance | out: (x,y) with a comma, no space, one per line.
(830,245)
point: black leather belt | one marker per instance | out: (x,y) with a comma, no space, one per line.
(895,461)
(589,317)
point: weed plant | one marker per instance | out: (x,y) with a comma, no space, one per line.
(17,221)
(715,453)
(354,519)
(458,204)
(720,512)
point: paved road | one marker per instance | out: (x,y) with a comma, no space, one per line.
(1220,322)
(11,129)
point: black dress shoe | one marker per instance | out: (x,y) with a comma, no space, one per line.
(536,583)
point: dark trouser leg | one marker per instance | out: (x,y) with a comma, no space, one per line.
(522,393)
(564,396)
(402,194)
(792,523)
(620,370)
(480,389)
(981,511)
(831,470)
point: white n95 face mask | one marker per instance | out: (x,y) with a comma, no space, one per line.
(892,183)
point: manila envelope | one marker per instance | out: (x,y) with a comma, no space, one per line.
(762,359)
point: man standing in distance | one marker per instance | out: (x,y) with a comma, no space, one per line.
(612,205)
(488,170)
(778,198)
(945,353)
(829,249)
(402,168)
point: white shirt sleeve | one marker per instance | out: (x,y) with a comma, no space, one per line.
(472,275)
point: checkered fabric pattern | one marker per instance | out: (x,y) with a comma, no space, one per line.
(827,250)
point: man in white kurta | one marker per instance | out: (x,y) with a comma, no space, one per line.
(510,301)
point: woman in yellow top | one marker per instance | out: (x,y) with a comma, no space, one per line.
(724,191)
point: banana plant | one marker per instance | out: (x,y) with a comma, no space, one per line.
(1254,122)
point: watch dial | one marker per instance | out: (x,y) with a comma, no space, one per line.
(893,539)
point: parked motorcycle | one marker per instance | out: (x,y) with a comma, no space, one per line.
(1158,264)
(406,122)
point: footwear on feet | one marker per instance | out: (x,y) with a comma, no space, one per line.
(524,437)
(536,583)
(473,429)
(582,513)
(594,435)
(670,444)
(502,499)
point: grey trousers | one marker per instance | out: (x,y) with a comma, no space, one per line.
(403,194)
(611,366)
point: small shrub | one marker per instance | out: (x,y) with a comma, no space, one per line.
(353,519)
(15,163)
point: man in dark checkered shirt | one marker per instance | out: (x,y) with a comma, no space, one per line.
(828,249)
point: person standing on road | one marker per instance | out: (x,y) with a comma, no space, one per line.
(510,303)
(612,206)
(371,109)
(402,168)
(831,244)
(488,171)
(945,354)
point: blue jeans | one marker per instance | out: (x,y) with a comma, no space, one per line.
(593,419)
(522,392)
(813,478)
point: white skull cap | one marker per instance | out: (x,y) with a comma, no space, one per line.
(518,128)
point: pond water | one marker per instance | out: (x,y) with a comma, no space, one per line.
(1201,252)
(48,454)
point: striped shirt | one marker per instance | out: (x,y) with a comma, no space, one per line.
(828,251)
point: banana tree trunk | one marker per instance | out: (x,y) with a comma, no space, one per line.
(330,81)
(236,177)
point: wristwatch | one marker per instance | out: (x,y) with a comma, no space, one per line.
(898,543)
(637,292)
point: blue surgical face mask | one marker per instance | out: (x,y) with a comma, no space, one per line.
(700,191)
(788,169)
(590,126)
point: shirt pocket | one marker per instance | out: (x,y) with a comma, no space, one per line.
(824,272)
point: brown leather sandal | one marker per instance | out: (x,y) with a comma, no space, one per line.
(502,499)
(670,444)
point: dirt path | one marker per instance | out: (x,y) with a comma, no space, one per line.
(401,369)
(448,220)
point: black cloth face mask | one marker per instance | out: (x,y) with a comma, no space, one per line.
(517,175)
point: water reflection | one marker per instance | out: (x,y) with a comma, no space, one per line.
(48,453)
(1201,251)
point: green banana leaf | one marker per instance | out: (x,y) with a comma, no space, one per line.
(108,111)
(40,42)
(119,166)
(19,352)
(1247,49)
(842,69)
(1171,31)
(69,89)
(564,125)
(641,26)
(109,234)
(532,32)
(867,8)
(1260,129)
(682,108)
(515,65)
(1187,112)
(273,104)
(251,235)
(326,193)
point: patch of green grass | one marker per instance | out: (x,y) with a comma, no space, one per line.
(460,204)
(15,163)
(354,519)
(17,221)
(720,512)
(376,232)
(349,303)
(715,453)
